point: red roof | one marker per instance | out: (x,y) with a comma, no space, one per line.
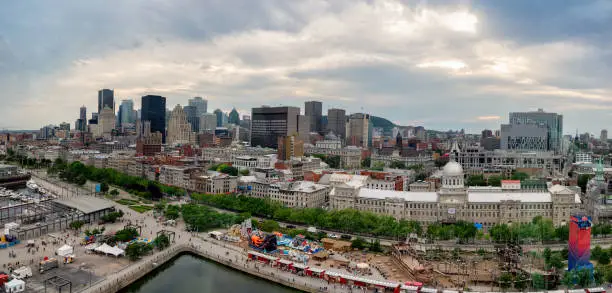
(511,181)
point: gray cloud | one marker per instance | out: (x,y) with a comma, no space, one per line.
(442,64)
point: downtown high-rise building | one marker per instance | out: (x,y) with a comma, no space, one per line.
(336,122)
(200,104)
(106,98)
(270,123)
(81,123)
(179,129)
(154,110)
(234,117)
(83,113)
(125,116)
(552,122)
(603,136)
(314,111)
(208,123)
(191,113)
(358,130)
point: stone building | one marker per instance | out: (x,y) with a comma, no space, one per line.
(453,202)
(179,129)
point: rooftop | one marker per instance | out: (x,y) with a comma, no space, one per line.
(407,196)
(86,204)
(501,196)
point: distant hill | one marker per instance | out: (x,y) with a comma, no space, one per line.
(383,123)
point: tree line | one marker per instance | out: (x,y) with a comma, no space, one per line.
(347,221)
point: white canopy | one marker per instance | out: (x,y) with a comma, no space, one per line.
(65,250)
(15,285)
(92,246)
(107,249)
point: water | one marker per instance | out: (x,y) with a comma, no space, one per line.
(188,273)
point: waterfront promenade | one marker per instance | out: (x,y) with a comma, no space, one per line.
(186,242)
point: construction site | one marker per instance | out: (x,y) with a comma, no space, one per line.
(480,270)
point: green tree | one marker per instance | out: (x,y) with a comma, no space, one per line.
(365,163)
(375,246)
(537,281)
(378,166)
(114,192)
(505,281)
(358,243)
(162,241)
(76,225)
(160,206)
(519,176)
(476,180)
(136,250)
(104,187)
(172,212)
(521,282)
(562,232)
(595,252)
(397,165)
(568,279)
(126,235)
(604,258)
(270,226)
(494,180)
(244,172)
(556,262)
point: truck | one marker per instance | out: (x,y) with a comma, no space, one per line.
(22,273)
(48,264)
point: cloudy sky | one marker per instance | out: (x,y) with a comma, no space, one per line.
(441,64)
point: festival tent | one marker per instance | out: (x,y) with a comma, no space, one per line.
(92,246)
(15,285)
(107,249)
(65,250)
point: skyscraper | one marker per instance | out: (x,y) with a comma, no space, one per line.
(179,130)
(270,123)
(604,135)
(191,113)
(357,130)
(106,98)
(106,122)
(314,111)
(154,110)
(83,113)
(126,113)
(200,104)
(552,121)
(219,114)
(208,123)
(81,124)
(234,117)
(336,122)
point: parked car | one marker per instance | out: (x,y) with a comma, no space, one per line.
(346,237)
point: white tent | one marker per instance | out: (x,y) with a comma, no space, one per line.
(107,249)
(92,246)
(65,250)
(15,285)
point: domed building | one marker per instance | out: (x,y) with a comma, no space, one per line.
(454,202)
(452,176)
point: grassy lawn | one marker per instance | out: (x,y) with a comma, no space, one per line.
(141,209)
(127,202)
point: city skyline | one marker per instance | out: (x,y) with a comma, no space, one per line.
(436,64)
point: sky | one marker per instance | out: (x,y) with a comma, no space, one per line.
(439,64)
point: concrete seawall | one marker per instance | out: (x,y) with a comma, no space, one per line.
(134,272)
